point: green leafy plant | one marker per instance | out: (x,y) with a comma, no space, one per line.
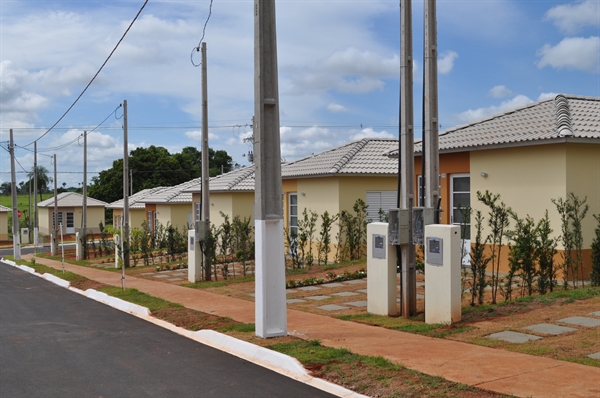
(479,261)
(324,242)
(545,252)
(595,274)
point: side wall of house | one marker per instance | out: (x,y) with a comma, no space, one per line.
(527,179)
(583,179)
(3,226)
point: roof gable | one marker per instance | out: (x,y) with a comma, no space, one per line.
(71,199)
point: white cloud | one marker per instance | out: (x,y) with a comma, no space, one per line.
(18,105)
(572,53)
(196,135)
(544,96)
(336,108)
(370,133)
(349,71)
(481,113)
(446,62)
(571,18)
(499,92)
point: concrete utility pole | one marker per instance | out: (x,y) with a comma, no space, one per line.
(204,187)
(270,304)
(430,111)
(84,210)
(54,242)
(15,206)
(125,237)
(35,193)
(408,303)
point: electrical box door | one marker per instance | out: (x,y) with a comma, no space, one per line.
(379,246)
(435,251)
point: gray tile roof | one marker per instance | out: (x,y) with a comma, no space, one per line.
(238,180)
(356,158)
(135,199)
(175,194)
(559,119)
(4,209)
(71,199)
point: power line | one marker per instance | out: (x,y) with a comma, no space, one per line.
(96,75)
(197,48)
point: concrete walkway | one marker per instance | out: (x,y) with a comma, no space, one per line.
(491,369)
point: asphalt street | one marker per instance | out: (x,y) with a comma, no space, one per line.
(57,343)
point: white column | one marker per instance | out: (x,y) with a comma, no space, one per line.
(381,271)
(194,258)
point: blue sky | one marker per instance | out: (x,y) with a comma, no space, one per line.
(338,66)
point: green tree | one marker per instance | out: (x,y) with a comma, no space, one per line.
(43,180)
(154,167)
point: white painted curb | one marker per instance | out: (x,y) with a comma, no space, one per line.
(57,280)
(117,303)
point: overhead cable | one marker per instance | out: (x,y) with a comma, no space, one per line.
(96,75)
(197,48)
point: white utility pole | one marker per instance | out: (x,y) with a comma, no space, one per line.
(15,206)
(125,237)
(408,303)
(84,211)
(430,111)
(204,187)
(35,193)
(55,228)
(270,302)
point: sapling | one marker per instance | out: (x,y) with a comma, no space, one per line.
(522,257)
(579,209)
(479,261)
(498,222)
(325,237)
(546,249)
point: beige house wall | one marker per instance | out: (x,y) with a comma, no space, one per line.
(3,226)
(583,179)
(220,202)
(95,215)
(243,205)
(527,178)
(173,214)
(136,218)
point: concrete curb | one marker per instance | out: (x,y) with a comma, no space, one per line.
(258,355)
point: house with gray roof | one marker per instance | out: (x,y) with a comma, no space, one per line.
(70,210)
(137,208)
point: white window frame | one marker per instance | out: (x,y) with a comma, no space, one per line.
(291,216)
(60,218)
(198,211)
(466,261)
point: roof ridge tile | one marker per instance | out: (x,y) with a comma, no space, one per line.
(348,156)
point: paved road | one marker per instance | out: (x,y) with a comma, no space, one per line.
(28,250)
(56,343)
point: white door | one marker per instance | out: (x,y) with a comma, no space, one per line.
(460,197)
(70,222)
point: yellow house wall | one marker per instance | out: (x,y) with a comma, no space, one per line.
(136,218)
(583,179)
(44,220)
(175,214)
(527,178)
(220,202)
(243,205)
(3,226)
(95,216)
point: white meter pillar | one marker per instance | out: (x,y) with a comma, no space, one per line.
(442,274)
(194,258)
(381,271)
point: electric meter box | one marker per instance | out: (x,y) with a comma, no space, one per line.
(201,230)
(421,216)
(398,226)
(435,251)
(379,245)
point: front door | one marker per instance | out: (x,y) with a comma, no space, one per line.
(70,222)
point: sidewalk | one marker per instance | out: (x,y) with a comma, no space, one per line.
(491,369)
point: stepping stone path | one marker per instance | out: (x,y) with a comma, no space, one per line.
(513,337)
(362,303)
(362,291)
(332,307)
(595,355)
(345,294)
(294,301)
(175,279)
(318,297)
(161,276)
(334,284)
(548,328)
(308,288)
(356,281)
(581,321)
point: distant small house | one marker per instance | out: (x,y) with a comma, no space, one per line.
(4,222)
(70,208)
(170,206)
(137,209)
(230,193)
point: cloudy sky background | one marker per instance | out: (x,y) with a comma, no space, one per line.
(338,66)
